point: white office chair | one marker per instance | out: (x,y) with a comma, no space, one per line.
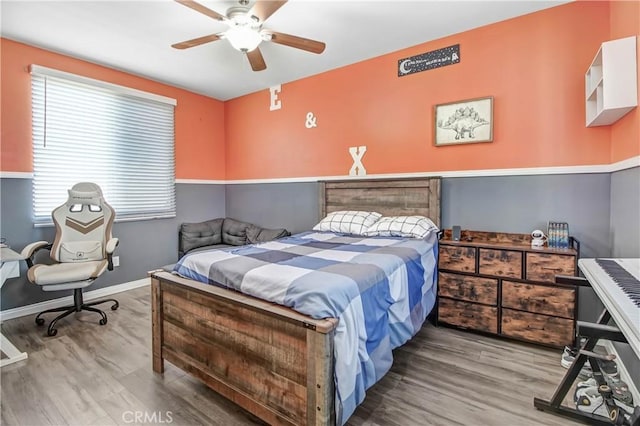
(82,251)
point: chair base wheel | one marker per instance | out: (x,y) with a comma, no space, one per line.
(78,306)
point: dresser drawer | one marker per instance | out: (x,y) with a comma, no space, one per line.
(468,315)
(458,258)
(540,299)
(472,289)
(545,266)
(537,328)
(502,263)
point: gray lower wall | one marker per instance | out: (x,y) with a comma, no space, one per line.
(144,245)
(506,204)
(521,204)
(603,212)
(625,239)
(293,206)
(625,213)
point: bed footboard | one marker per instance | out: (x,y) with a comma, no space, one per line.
(270,360)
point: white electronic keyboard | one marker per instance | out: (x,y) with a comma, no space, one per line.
(617,284)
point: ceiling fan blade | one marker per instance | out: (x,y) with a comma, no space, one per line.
(196,41)
(256,60)
(264,9)
(200,8)
(297,42)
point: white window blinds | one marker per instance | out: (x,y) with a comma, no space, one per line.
(86,130)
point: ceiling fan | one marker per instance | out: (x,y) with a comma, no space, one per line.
(245,31)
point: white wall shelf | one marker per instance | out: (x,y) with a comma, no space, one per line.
(611,82)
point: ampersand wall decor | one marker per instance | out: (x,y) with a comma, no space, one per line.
(311,121)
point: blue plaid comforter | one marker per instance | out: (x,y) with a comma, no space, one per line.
(380,288)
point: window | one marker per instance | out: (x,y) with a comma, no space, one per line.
(122,139)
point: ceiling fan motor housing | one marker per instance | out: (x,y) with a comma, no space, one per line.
(240,15)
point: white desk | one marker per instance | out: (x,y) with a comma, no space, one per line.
(10,268)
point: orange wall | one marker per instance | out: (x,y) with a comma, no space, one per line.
(533,66)
(199,120)
(625,134)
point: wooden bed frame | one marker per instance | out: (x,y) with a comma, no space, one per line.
(269,359)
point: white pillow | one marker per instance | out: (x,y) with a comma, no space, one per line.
(348,222)
(401,226)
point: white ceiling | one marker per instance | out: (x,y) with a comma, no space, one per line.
(136,36)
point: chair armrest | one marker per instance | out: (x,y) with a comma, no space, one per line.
(110,248)
(111,245)
(32,248)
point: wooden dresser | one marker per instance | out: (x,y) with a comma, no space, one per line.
(497,283)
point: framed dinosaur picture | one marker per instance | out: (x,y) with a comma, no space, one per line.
(467,121)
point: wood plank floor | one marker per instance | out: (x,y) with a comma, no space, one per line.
(101,375)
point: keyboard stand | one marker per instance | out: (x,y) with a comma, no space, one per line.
(593,333)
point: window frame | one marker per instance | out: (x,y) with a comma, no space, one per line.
(117,94)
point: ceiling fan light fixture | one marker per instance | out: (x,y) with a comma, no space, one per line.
(243,38)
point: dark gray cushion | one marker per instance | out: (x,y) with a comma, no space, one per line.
(255,234)
(221,233)
(205,248)
(193,235)
(234,232)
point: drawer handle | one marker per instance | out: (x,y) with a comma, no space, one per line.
(540,301)
(455,256)
(466,315)
(535,328)
(551,269)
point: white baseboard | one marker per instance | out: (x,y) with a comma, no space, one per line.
(622,370)
(68,300)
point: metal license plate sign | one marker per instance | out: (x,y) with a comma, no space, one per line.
(429,60)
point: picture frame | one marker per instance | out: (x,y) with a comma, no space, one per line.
(466,121)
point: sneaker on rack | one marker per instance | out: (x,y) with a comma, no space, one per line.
(620,391)
(568,355)
(589,400)
(609,369)
(622,397)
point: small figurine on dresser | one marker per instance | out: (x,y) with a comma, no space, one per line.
(538,238)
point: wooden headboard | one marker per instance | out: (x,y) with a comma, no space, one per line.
(390,197)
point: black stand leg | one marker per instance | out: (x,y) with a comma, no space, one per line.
(593,332)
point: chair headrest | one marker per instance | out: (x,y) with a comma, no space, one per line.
(85,193)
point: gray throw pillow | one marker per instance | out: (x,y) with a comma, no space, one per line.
(194,235)
(255,234)
(234,232)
